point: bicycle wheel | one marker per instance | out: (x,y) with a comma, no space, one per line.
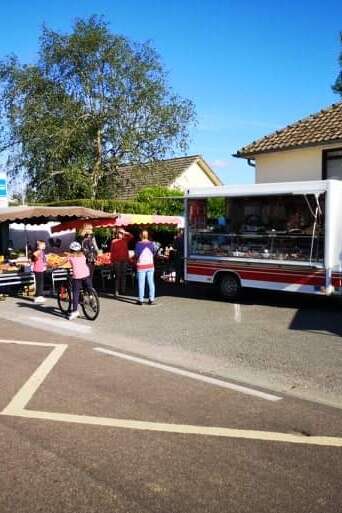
(90,304)
(64,298)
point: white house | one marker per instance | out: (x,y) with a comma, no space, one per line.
(181,172)
(310,149)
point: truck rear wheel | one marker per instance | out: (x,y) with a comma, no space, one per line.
(229,286)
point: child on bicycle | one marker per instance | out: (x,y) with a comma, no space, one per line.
(80,276)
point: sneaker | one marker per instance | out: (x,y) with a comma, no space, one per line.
(39,299)
(140,303)
(73,315)
(151,302)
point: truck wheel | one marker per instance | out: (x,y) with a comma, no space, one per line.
(229,286)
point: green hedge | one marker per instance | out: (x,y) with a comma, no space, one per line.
(154,206)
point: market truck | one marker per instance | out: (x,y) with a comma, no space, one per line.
(279,236)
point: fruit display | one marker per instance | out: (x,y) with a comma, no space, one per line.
(103,259)
(6,267)
(55,261)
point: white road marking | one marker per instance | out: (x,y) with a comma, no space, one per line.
(25,343)
(25,394)
(63,324)
(16,408)
(185,429)
(237,312)
(192,375)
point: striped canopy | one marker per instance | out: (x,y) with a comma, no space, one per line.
(142,219)
(119,220)
(85,224)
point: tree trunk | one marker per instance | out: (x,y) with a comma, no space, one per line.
(97,171)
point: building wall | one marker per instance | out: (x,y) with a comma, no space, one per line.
(288,166)
(194,176)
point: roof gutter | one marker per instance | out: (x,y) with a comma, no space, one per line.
(251,162)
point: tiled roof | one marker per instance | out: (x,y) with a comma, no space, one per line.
(320,128)
(133,178)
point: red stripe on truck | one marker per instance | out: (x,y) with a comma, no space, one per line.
(280,276)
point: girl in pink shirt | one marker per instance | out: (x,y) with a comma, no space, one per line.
(39,267)
(80,276)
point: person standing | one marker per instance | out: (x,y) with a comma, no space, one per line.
(90,251)
(119,257)
(39,268)
(179,256)
(144,252)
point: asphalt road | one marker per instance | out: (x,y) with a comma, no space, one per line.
(288,343)
(63,463)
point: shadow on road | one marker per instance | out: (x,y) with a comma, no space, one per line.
(317,321)
(317,314)
(51,310)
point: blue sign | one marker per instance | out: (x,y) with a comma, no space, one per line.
(3,188)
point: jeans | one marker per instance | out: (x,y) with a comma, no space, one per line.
(142,276)
(76,288)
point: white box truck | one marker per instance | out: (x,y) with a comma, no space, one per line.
(278,236)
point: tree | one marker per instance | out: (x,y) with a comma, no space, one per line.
(93,101)
(337,87)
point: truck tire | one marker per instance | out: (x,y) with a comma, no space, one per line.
(229,286)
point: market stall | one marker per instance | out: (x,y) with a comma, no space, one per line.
(15,266)
(52,224)
(103,269)
(132,223)
(165,267)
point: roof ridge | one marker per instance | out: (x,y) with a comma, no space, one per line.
(163,160)
(303,122)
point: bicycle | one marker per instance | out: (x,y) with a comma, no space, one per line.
(89,300)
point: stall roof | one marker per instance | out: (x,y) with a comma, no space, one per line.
(142,219)
(38,215)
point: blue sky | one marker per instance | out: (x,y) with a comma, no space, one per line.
(249,66)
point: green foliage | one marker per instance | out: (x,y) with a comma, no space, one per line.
(120,206)
(337,87)
(216,207)
(161,200)
(93,101)
(154,201)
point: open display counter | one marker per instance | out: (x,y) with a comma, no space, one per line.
(275,246)
(284,228)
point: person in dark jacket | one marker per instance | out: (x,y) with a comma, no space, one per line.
(90,251)
(179,256)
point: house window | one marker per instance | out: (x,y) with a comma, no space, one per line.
(332,164)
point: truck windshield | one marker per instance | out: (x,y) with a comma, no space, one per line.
(282,227)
